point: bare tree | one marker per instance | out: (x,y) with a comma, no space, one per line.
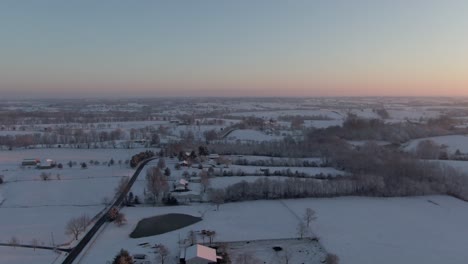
(428,149)
(45,176)
(302,230)
(161,163)
(192,237)
(14,241)
(217,197)
(113,213)
(332,259)
(210,234)
(309,216)
(163,252)
(123,257)
(73,228)
(204,180)
(34,243)
(84,221)
(120,219)
(155,183)
(76,226)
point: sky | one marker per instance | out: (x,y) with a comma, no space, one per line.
(88,48)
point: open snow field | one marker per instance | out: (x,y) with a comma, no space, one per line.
(309,170)
(453,143)
(40,223)
(359,230)
(26,255)
(251,135)
(391,230)
(31,208)
(328,113)
(79,192)
(63,155)
(459,165)
(296,250)
(233,222)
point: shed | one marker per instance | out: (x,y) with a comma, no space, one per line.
(29,162)
(199,254)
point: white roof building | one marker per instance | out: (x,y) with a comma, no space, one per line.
(198,254)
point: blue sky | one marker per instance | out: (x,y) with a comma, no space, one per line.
(233,48)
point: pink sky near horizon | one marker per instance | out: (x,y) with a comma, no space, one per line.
(233,48)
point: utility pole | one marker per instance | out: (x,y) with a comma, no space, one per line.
(52,236)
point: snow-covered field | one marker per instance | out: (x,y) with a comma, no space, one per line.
(79,192)
(25,255)
(233,222)
(428,230)
(14,157)
(251,135)
(459,165)
(308,170)
(31,208)
(329,113)
(41,223)
(453,143)
(292,250)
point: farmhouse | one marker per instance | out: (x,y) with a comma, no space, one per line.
(29,162)
(47,164)
(186,197)
(213,156)
(181,185)
(198,254)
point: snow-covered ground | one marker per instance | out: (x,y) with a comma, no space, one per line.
(459,165)
(328,113)
(19,255)
(233,222)
(31,208)
(251,135)
(452,142)
(308,170)
(79,192)
(14,157)
(41,223)
(428,230)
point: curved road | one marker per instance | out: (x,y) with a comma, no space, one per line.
(227,133)
(75,252)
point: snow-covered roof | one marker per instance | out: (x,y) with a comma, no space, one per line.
(199,251)
(183,182)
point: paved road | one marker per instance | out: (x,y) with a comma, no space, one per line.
(75,252)
(227,133)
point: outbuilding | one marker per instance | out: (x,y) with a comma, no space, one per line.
(199,254)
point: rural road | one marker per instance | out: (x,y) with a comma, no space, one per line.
(75,252)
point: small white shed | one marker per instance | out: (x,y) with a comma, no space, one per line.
(199,254)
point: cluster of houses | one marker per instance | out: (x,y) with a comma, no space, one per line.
(40,164)
(213,160)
